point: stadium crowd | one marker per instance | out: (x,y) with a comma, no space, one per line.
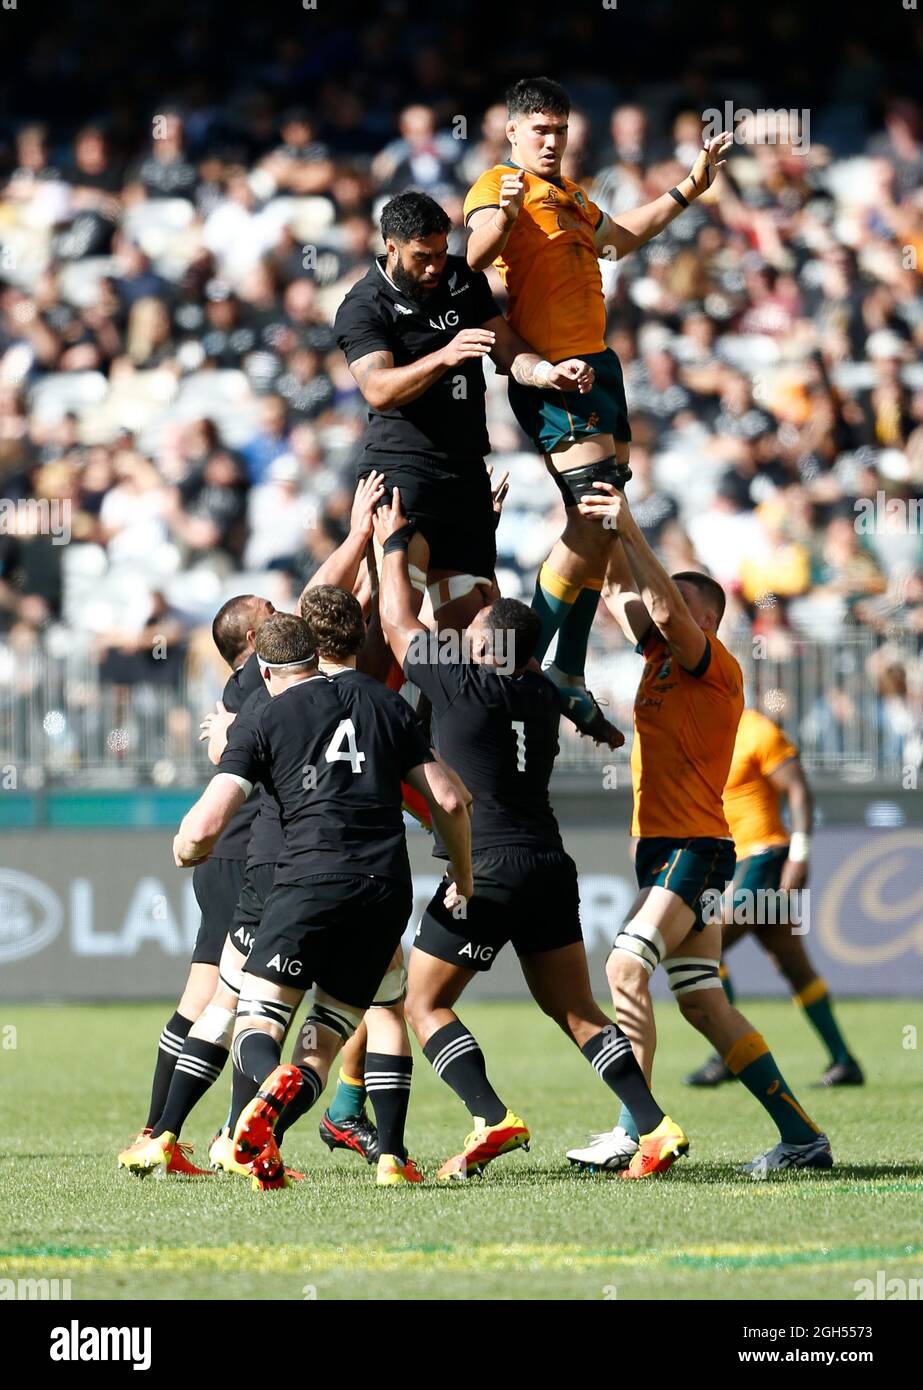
(169,274)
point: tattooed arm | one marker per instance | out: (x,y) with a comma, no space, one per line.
(385,386)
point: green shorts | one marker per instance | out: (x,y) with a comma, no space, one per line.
(756,874)
(548,417)
(689,868)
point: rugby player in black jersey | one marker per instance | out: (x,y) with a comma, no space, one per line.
(216,883)
(414,331)
(332,752)
(341,635)
(495,721)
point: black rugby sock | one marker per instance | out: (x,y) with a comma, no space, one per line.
(456,1058)
(610,1054)
(387,1080)
(175,1032)
(198,1067)
(311,1089)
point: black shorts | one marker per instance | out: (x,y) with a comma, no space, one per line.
(257,886)
(338,931)
(524,895)
(453,511)
(577,483)
(216,884)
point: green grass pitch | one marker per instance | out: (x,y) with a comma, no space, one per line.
(75,1089)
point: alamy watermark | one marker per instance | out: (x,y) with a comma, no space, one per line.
(36,516)
(763,126)
(451,648)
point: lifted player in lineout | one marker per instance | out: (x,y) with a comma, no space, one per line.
(687,710)
(495,722)
(415,330)
(545,238)
(772,866)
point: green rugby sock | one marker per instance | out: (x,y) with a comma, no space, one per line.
(818,1006)
(574,632)
(348,1099)
(552,601)
(752,1063)
(726,984)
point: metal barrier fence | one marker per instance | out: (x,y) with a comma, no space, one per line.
(62,724)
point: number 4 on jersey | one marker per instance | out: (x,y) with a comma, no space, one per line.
(345,733)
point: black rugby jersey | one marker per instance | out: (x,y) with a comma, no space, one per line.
(448,421)
(241,684)
(266,839)
(332,753)
(500,734)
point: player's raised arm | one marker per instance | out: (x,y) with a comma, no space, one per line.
(399,622)
(658,592)
(342,567)
(621,597)
(514,356)
(204,823)
(491,225)
(615,239)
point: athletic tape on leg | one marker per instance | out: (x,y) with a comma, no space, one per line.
(688,973)
(335,1016)
(216,1025)
(271,1011)
(643,941)
(392,988)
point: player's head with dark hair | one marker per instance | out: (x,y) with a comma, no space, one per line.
(415,230)
(335,618)
(537,111)
(705,598)
(236,623)
(505,634)
(533,95)
(285,647)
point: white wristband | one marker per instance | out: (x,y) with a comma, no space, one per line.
(546,368)
(799,847)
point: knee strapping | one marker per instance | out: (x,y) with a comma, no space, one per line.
(216,1025)
(271,1011)
(689,973)
(392,989)
(335,1016)
(643,941)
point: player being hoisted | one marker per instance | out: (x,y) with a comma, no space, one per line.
(545,238)
(414,331)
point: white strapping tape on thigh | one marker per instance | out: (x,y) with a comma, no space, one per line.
(392,988)
(688,973)
(216,1025)
(643,941)
(417,578)
(334,1015)
(457,586)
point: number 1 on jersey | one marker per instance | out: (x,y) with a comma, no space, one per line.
(520,728)
(345,733)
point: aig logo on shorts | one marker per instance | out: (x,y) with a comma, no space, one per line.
(475,952)
(284,967)
(30,915)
